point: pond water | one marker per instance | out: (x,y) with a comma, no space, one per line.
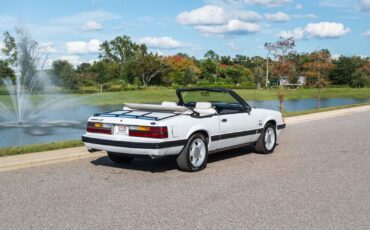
(49,132)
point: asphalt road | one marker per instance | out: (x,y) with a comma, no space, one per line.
(317,178)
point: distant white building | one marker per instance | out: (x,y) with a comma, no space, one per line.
(301,80)
(284,81)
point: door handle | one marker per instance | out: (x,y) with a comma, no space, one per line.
(224,120)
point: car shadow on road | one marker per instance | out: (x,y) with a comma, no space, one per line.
(169,163)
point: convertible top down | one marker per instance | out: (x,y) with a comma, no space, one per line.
(203,121)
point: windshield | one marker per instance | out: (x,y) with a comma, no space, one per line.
(223,102)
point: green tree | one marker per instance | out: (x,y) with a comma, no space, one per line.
(10,48)
(227,60)
(121,49)
(124,52)
(106,71)
(6,71)
(209,70)
(209,66)
(361,77)
(64,74)
(147,67)
(344,67)
(83,68)
(212,55)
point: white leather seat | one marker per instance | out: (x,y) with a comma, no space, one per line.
(204,108)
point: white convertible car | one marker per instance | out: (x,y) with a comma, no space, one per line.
(203,121)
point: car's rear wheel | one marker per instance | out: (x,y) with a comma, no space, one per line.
(194,155)
(267,141)
(120,159)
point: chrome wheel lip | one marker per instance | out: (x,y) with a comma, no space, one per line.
(270,138)
(197,152)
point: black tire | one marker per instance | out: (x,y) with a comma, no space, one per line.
(260,146)
(184,158)
(120,159)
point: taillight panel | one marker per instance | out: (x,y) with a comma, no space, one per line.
(133,130)
(96,127)
(149,132)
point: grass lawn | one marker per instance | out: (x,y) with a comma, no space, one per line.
(39,147)
(159,94)
(164,94)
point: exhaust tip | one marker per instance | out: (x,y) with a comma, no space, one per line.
(93,150)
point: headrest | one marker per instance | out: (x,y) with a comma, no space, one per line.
(169,103)
(203,105)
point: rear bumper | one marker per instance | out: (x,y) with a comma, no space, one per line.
(135,148)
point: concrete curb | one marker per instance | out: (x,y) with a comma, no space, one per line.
(44,158)
(325,115)
(69,154)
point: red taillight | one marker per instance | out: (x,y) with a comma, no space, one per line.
(94,127)
(150,132)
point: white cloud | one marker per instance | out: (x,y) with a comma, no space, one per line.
(297,33)
(268,3)
(299,6)
(48,63)
(321,30)
(233,46)
(73,59)
(8,22)
(335,56)
(366,33)
(95,15)
(309,16)
(92,26)
(233,27)
(161,42)
(47,47)
(206,15)
(277,17)
(215,15)
(82,47)
(365,5)
(211,19)
(249,16)
(326,30)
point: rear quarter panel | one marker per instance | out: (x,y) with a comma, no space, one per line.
(266,115)
(182,127)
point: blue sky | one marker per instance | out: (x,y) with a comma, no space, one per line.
(73,30)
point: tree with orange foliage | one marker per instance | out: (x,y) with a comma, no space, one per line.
(181,63)
(317,70)
(282,67)
(280,49)
(361,78)
(183,70)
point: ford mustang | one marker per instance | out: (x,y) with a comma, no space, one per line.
(203,121)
